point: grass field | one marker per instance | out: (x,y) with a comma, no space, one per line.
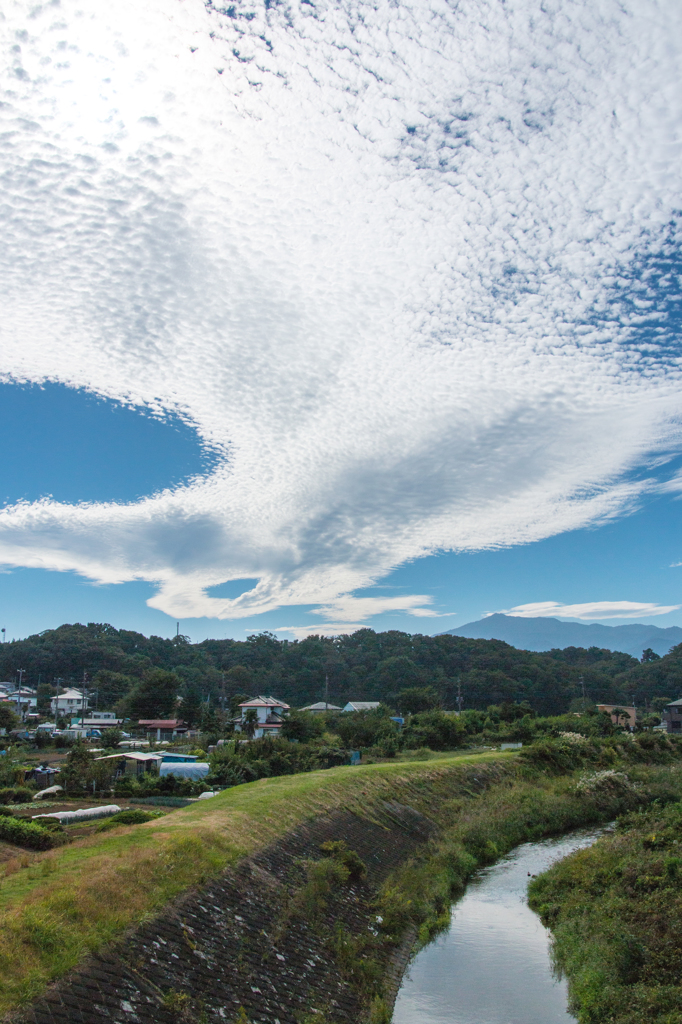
(57,906)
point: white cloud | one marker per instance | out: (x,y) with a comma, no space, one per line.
(592,610)
(323,629)
(400,267)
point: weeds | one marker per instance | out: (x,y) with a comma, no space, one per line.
(617,920)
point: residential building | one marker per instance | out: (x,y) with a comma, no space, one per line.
(320,708)
(97,720)
(270,715)
(69,702)
(610,708)
(163,728)
(671,718)
(361,705)
(24,701)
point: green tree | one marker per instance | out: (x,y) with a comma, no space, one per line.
(399,672)
(302,726)
(154,696)
(191,707)
(649,655)
(111,738)
(659,703)
(417,698)
(249,722)
(8,719)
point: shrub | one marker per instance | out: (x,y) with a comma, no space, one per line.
(437,730)
(134,816)
(26,833)
(6,811)
(7,795)
(22,795)
(357,869)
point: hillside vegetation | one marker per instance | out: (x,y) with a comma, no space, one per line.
(616,913)
(362,666)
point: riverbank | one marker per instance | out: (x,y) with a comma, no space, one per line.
(615,911)
(421,829)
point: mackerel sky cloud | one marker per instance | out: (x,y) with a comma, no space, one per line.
(410,271)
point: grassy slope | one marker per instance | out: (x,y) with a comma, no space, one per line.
(58,906)
(616,913)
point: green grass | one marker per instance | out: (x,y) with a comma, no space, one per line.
(616,913)
(57,907)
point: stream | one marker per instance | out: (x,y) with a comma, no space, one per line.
(492,966)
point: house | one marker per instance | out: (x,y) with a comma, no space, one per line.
(69,702)
(97,720)
(672,716)
(320,708)
(163,728)
(361,705)
(609,709)
(24,701)
(270,715)
(133,764)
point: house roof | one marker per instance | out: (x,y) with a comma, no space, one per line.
(674,703)
(163,723)
(131,755)
(321,706)
(264,702)
(361,705)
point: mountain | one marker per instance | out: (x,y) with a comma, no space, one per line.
(545,634)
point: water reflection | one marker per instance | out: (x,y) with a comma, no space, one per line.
(492,966)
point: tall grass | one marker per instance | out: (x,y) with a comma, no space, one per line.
(616,913)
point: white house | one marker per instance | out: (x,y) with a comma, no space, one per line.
(97,720)
(270,714)
(24,701)
(361,705)
(69,702)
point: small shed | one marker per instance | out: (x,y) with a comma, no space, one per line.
(133,763)
(179,758)
(361,705)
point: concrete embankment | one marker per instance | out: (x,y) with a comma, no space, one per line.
(246,940)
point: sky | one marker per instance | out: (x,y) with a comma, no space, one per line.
(326,315)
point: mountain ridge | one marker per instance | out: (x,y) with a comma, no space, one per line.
(544,634)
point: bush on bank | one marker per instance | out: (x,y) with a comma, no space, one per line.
(616,913)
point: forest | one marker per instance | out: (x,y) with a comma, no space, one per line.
(123,669)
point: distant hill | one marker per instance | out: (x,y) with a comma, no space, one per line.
(546,634)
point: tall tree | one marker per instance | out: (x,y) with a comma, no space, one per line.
(155,696)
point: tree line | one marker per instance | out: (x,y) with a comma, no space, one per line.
(143,676)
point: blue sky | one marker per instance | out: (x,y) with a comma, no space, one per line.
(322,317)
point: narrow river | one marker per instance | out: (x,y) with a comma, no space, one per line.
(492,966)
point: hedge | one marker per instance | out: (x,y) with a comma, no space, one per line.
(25,833)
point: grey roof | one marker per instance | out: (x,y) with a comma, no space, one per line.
(362,705)
(321,706)
(674,703)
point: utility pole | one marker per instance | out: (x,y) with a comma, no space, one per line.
(3,634)
(326,691)
(84,696)
(459,694)
(21,672)
(177,630)
(582,683)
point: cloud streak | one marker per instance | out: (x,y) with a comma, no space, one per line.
(408,270)
(592,610)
